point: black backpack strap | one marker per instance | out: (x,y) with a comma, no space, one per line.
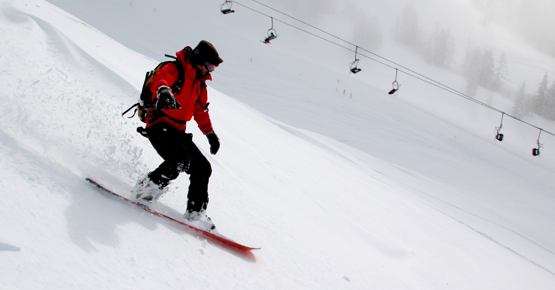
(170,56)
(134,106)
(176,87)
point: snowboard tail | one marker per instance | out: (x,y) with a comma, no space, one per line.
(207,234)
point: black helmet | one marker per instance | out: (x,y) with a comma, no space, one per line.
(208,52)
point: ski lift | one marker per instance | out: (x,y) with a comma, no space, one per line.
(354,65)
(226,7)
(272,33)
(395,84)
(498,135)
(536,151)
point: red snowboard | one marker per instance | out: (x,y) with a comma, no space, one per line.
(204,233)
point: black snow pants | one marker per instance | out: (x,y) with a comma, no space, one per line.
(180,154)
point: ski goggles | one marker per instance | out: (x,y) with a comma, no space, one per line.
(209,66)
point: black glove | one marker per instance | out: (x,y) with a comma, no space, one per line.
(166,100)
(214,142)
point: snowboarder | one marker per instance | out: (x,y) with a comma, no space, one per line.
(166,130)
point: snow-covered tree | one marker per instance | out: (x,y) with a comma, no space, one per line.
(522,106)
(406,29)
(541,103)
(539,100)
(471,69)
(501,72)
(440,49)
(549,103)
(480,70)
(486,69)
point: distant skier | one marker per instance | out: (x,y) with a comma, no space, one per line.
(166,130)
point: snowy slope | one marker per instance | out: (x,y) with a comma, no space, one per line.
(433,203)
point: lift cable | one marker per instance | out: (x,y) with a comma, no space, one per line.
(384,61)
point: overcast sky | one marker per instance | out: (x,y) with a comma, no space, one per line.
(531,20)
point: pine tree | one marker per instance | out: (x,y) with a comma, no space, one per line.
(487,67)
(471,70)
(440,49)
(501,72)
(406,29)
(539,100)
(521,106)
(549,105)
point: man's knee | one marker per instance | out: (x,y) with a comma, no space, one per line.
(205,171)
(200,170)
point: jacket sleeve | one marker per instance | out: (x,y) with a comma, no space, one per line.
(201,115)
(165,76)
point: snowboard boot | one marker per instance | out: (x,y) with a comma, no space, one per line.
(147,190)
(199,219)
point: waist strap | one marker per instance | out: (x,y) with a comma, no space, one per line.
(160,114)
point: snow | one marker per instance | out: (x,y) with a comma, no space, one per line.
(341,185)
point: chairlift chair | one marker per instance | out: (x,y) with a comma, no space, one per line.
(537,151)
(272,34)
(498,135)
(226,7)
(354,65)
(395,88)
(395,85)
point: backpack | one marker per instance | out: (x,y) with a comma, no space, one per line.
(145,108)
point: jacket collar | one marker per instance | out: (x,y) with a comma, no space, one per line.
(183,57)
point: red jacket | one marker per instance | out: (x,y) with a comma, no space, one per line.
(192,97)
